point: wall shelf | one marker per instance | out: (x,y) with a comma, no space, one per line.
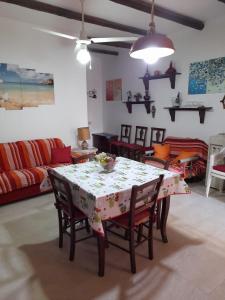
(171,76)
(201,110)
(147,105)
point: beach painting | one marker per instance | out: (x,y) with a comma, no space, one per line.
(207,77)
(22,87)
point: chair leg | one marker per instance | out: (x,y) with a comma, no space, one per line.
(60,228)
(72,240)
(106,235)
(209,180)
(87,226)
(150,239)
(101,255)
(140,233)
(132,252)
(158,216)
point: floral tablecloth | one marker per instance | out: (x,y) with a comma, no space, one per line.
(102,196)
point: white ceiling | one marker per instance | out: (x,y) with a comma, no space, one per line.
(205,10)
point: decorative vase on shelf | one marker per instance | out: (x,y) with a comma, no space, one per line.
(138,97)
(129,96)
(176,102)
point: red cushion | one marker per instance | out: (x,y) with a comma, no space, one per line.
(61,155)
(132,146)
(116,143)
(220,168)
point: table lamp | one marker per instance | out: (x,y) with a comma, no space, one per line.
(83,135)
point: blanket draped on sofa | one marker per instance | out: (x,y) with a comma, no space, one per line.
(24,164)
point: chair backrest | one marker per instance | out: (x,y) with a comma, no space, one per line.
(144,198)
(156,162)
(125,133)
(63,194)
(140,135)
(157,135)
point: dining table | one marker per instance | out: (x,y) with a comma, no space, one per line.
(102,195)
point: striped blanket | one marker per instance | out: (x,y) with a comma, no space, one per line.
(25,163)
(188,170)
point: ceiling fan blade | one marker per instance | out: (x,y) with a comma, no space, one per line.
(56,33)
(113,39)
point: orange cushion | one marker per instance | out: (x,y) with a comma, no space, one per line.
(161,151)
(185,154)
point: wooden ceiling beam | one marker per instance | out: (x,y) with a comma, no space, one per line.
(163,13)
(103,51)
(66,13)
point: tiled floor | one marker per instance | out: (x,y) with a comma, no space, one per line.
(190,266)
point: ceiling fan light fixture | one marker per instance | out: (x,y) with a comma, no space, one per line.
(83,55)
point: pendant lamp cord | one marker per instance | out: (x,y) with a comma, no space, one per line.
(152,23)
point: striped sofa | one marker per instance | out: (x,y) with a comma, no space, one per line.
(189,170)
(23,166)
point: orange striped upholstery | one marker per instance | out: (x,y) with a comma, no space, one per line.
(10,157)
(37,152)
(187,144)
(18,179)
(196,168)
(25,163)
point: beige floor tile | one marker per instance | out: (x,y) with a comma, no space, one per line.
(191,266)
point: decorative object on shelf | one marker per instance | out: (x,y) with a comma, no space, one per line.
(223,102)
(114,90)
(92,94)
(138,97)
(176,102)
(201,109)
(152,46)
(146,79)
(106,161)
(153,111)
(157,73)
(171,72)
(83,135)
(22,87)
(207,77)
(129,96)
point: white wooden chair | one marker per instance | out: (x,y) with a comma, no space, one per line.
(216,168)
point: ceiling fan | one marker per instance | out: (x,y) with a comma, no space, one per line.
(82,53)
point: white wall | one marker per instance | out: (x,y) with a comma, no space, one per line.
(32,49)
(95,81)
(190,47)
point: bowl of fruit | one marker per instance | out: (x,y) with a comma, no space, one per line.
(106,161)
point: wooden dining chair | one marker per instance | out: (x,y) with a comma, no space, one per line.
(125,134)
(132,150)
(69,216)
(142,209)
(161,164)
(157,135)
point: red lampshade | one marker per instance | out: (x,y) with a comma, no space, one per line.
(154,44)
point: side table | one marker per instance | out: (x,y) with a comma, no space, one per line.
(81,155)
(102,141)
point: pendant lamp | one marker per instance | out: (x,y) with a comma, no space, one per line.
(152,46)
